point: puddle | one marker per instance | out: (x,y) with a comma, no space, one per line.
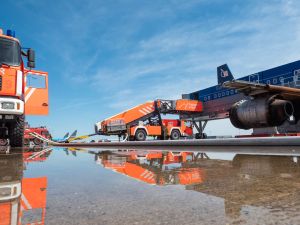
(92,186)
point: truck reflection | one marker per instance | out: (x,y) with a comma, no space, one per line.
(22,200)
(247,180)
(156,167)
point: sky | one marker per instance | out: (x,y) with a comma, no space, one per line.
(104,57)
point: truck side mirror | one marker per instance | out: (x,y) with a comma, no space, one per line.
(31,58)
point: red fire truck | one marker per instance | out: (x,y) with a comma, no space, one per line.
(43,131)
(23,91)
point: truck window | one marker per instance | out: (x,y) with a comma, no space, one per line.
(45,133)
(10,52)
(187,123)
(36,81)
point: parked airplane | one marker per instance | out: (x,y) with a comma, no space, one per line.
(80,137)
(66,138)
(264,100)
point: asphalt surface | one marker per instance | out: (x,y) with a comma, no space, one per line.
(257,141)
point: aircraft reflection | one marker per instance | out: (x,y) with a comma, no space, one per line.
(22,200)
(247,180)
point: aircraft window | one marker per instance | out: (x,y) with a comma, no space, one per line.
(274,81)
(281,79)
(297,72)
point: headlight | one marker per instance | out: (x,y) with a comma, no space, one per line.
(8,105)
(4,192)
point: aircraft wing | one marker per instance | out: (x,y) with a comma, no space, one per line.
(254,89)
(81,137)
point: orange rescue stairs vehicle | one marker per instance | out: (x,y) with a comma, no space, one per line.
(22,91)
(157,168)
(145,120)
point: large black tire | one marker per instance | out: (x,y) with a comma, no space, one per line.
(201,136)
(140,135)
(16,132)
(37,141)
(3,142)
(175,135)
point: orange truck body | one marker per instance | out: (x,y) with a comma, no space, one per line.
(31,195)
(20,197)
(146,118)
(22,91)
(170,126)
(129,166)
(34,197)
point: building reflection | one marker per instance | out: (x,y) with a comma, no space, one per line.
(22,200)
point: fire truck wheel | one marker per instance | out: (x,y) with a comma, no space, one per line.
(16,132)
(3,142)
(140,135)
(175,135)
(201,136)
(26,141)
(37,141)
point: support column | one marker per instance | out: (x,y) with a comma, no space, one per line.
(200,128)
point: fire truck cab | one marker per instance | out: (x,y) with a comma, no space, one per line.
(22,91)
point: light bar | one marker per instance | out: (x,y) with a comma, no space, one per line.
(11,33)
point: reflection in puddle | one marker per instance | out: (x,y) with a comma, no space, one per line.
(248,180)
(160,168)
(252,189)
(22,200)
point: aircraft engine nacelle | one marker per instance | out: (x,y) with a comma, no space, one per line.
(260,112)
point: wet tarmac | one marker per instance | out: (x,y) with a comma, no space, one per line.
(100,186)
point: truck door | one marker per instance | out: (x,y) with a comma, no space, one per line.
(34,200)
(36,93)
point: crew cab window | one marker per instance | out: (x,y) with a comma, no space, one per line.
(36,81)
(10,52)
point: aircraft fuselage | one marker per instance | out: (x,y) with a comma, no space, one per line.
(218,100)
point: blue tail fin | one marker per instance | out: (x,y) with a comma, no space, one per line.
(66,135)
(224,74)
(73,134)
